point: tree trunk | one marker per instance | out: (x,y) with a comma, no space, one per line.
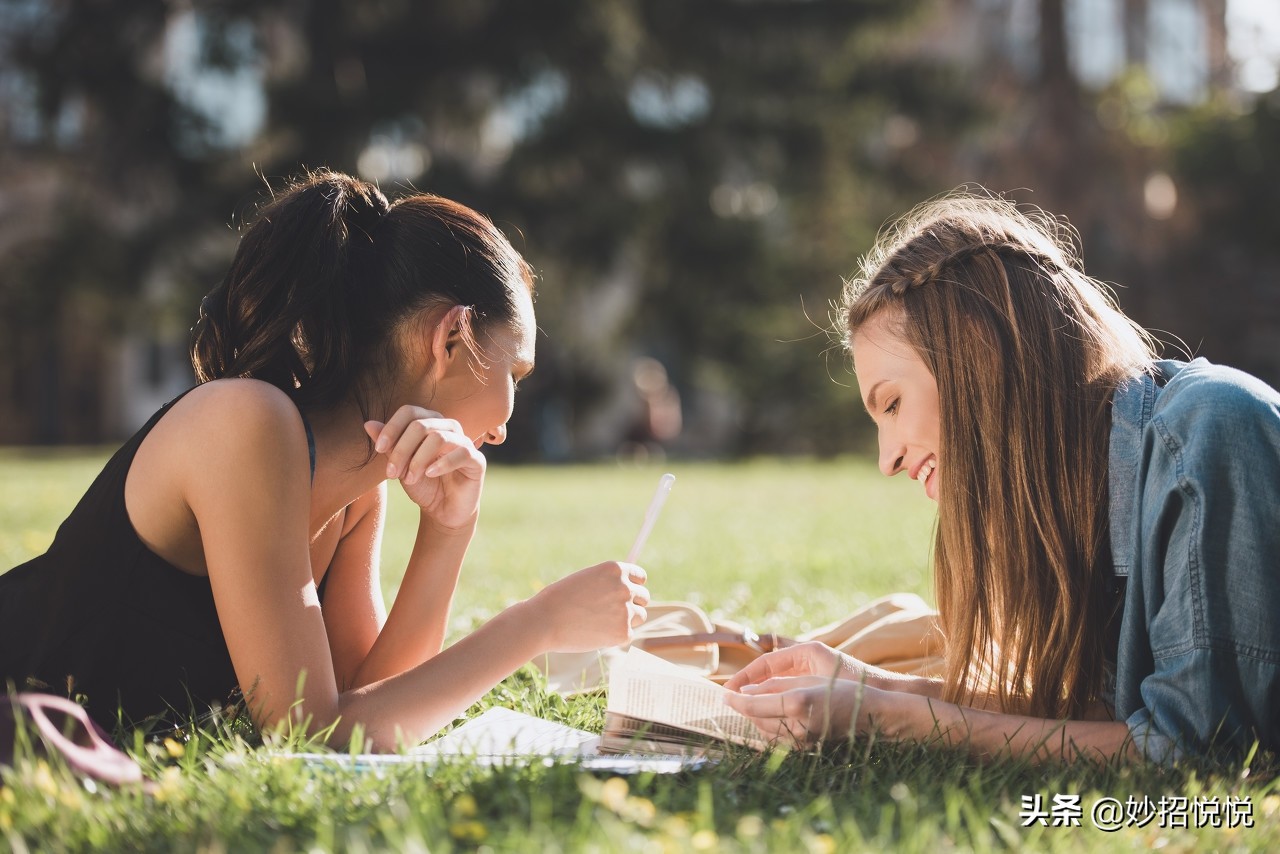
(1135,32)
(1215,32)
(1057,137)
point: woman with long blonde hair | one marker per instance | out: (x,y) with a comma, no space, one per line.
(1106,558)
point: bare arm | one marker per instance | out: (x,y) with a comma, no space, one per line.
(443,473)
(367,643)
(250,495)
(808,710)
(415,629)
(989,734)
(355,613)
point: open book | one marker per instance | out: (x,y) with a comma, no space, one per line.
(505,737)
(655,706)
(654,709)
(659,718)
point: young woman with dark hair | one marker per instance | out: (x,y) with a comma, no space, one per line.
(234,540)
(1107,558)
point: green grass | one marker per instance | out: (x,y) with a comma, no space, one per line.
(782,545)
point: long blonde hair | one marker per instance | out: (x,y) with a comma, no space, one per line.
(1027,351)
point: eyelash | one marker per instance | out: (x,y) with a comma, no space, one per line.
(891,408)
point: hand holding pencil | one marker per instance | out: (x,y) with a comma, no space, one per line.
(601,605)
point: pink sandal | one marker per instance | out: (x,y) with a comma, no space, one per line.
(65,729)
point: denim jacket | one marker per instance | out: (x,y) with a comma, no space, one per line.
(1194,487)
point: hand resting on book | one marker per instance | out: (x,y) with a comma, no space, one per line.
(810,693)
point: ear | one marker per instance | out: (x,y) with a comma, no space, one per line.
(448,340)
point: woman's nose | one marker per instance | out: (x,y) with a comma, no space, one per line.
(891,456)
(497,435)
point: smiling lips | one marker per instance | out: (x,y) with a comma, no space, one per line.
(926,468)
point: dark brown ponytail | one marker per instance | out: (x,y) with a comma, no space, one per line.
(327,273)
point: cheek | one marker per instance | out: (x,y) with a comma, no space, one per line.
(884,437)
(508,402)
(927,430)
(499,399)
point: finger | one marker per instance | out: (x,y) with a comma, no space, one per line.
(778,684)
(757,706)
(425,435)
(635,573)
(434,444)
(404,419)
(770,728)
(464,459)
(398,442)
(421,451)
(373,429)
(765,667)
(638,615)
(396,424)
(773,728)
(639,594)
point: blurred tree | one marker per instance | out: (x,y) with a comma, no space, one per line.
(103,192)
(1228,278)
(690,178)
(1171,201)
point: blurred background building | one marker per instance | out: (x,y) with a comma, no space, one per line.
(691,180)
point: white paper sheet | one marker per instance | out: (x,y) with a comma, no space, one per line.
(506,737)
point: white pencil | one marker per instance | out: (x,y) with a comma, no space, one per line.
(651,515)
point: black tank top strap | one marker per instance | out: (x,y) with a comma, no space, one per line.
(311,445)
(311,453)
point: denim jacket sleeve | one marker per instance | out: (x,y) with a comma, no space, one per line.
(1195,525)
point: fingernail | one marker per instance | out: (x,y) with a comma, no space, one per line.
(381,446)
(410,476)
(391,470)
(432,470)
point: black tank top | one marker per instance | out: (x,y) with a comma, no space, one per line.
(102,617)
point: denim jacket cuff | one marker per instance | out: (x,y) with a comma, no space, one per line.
(1154,745)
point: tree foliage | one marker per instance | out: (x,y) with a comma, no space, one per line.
(688,178)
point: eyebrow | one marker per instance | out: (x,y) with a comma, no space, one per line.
(870,403)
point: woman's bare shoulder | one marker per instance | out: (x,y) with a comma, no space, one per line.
(237,400)
(236,422)
(240,438)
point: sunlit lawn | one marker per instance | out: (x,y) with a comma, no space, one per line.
(782,545)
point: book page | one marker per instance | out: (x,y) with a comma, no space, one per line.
(505,732)
(646,687)
(505,737)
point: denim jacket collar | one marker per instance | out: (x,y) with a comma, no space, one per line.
(1131,407)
